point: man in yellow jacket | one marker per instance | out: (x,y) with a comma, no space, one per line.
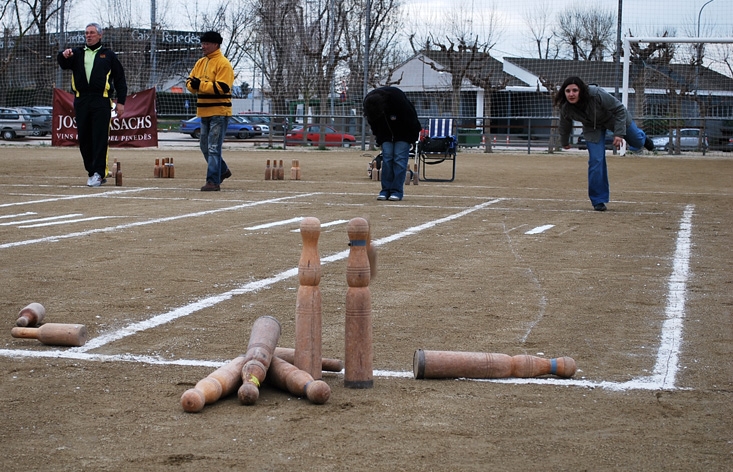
(211,80)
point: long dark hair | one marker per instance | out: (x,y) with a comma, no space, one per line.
(560,99)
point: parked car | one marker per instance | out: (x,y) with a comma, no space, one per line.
(722,141)
(275,124)
(41,119)
(690,139)
(14,123)
(262,121)
(259,129)
(313,132)
(236,127)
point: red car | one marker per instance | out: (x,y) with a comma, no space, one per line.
(332,136)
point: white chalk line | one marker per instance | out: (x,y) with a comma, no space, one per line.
(663,376)
(75,197)
(37,220)
(110,229)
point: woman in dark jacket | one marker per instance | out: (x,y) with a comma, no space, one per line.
(394,123)
(597,111)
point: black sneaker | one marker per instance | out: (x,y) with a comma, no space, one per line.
(649,144)
(226,175)
(600,207)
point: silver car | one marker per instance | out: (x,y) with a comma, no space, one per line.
(41,118)
(14,123)
(690,139)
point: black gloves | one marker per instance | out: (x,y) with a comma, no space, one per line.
(195,82)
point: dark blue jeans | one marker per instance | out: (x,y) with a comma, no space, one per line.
(395,156)
(213,130)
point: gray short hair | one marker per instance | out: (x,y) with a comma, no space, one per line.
(98,27)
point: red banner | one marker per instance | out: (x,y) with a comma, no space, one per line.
(138,127)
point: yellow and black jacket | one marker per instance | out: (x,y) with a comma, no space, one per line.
(214,95)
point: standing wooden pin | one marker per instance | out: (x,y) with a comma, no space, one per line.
(268,171)
(297,169)
(260,351)
(308,302)
(415,176)
(293,170)
(31,315)
(54,334)
(118,176)
(358,358)
(171,170)
(280,171)
(156,169)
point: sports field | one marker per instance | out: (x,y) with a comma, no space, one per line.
(509,258)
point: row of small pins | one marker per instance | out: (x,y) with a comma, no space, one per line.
(164,169)
(277,171)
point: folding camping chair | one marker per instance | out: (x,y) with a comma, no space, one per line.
(437,147)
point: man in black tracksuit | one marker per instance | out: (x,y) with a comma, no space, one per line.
(94,71)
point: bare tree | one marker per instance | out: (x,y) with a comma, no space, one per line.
(385,50)
(462,52)
(586,32)
(26,32)
(537,18)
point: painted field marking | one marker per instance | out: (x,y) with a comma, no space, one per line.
(111,229)
(325,225)
(27,213)
(66,222)
(274,223)
(539,229)
(663,375)
(37,220)
(75,197)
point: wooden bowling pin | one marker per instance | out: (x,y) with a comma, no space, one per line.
(297,169)
(118,176)
(164,168)
(31,315)
(358,359)
(114,168)
(371,255)
(216,385)
(280,171)
(171,170)
(293,168)
(260,351)
(415,177)
(156,169)
(482,365)
(286,376)
(54,334)
(308,302)
(268,171)
(327,364)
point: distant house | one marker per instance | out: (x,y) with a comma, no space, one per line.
(517,93)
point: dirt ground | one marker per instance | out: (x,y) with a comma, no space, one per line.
(168,281)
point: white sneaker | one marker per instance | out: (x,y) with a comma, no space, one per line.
(95,180)
(89,182)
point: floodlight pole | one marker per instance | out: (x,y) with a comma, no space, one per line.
(699,46)
(365,84)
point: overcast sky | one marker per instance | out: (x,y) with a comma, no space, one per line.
(641,17)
